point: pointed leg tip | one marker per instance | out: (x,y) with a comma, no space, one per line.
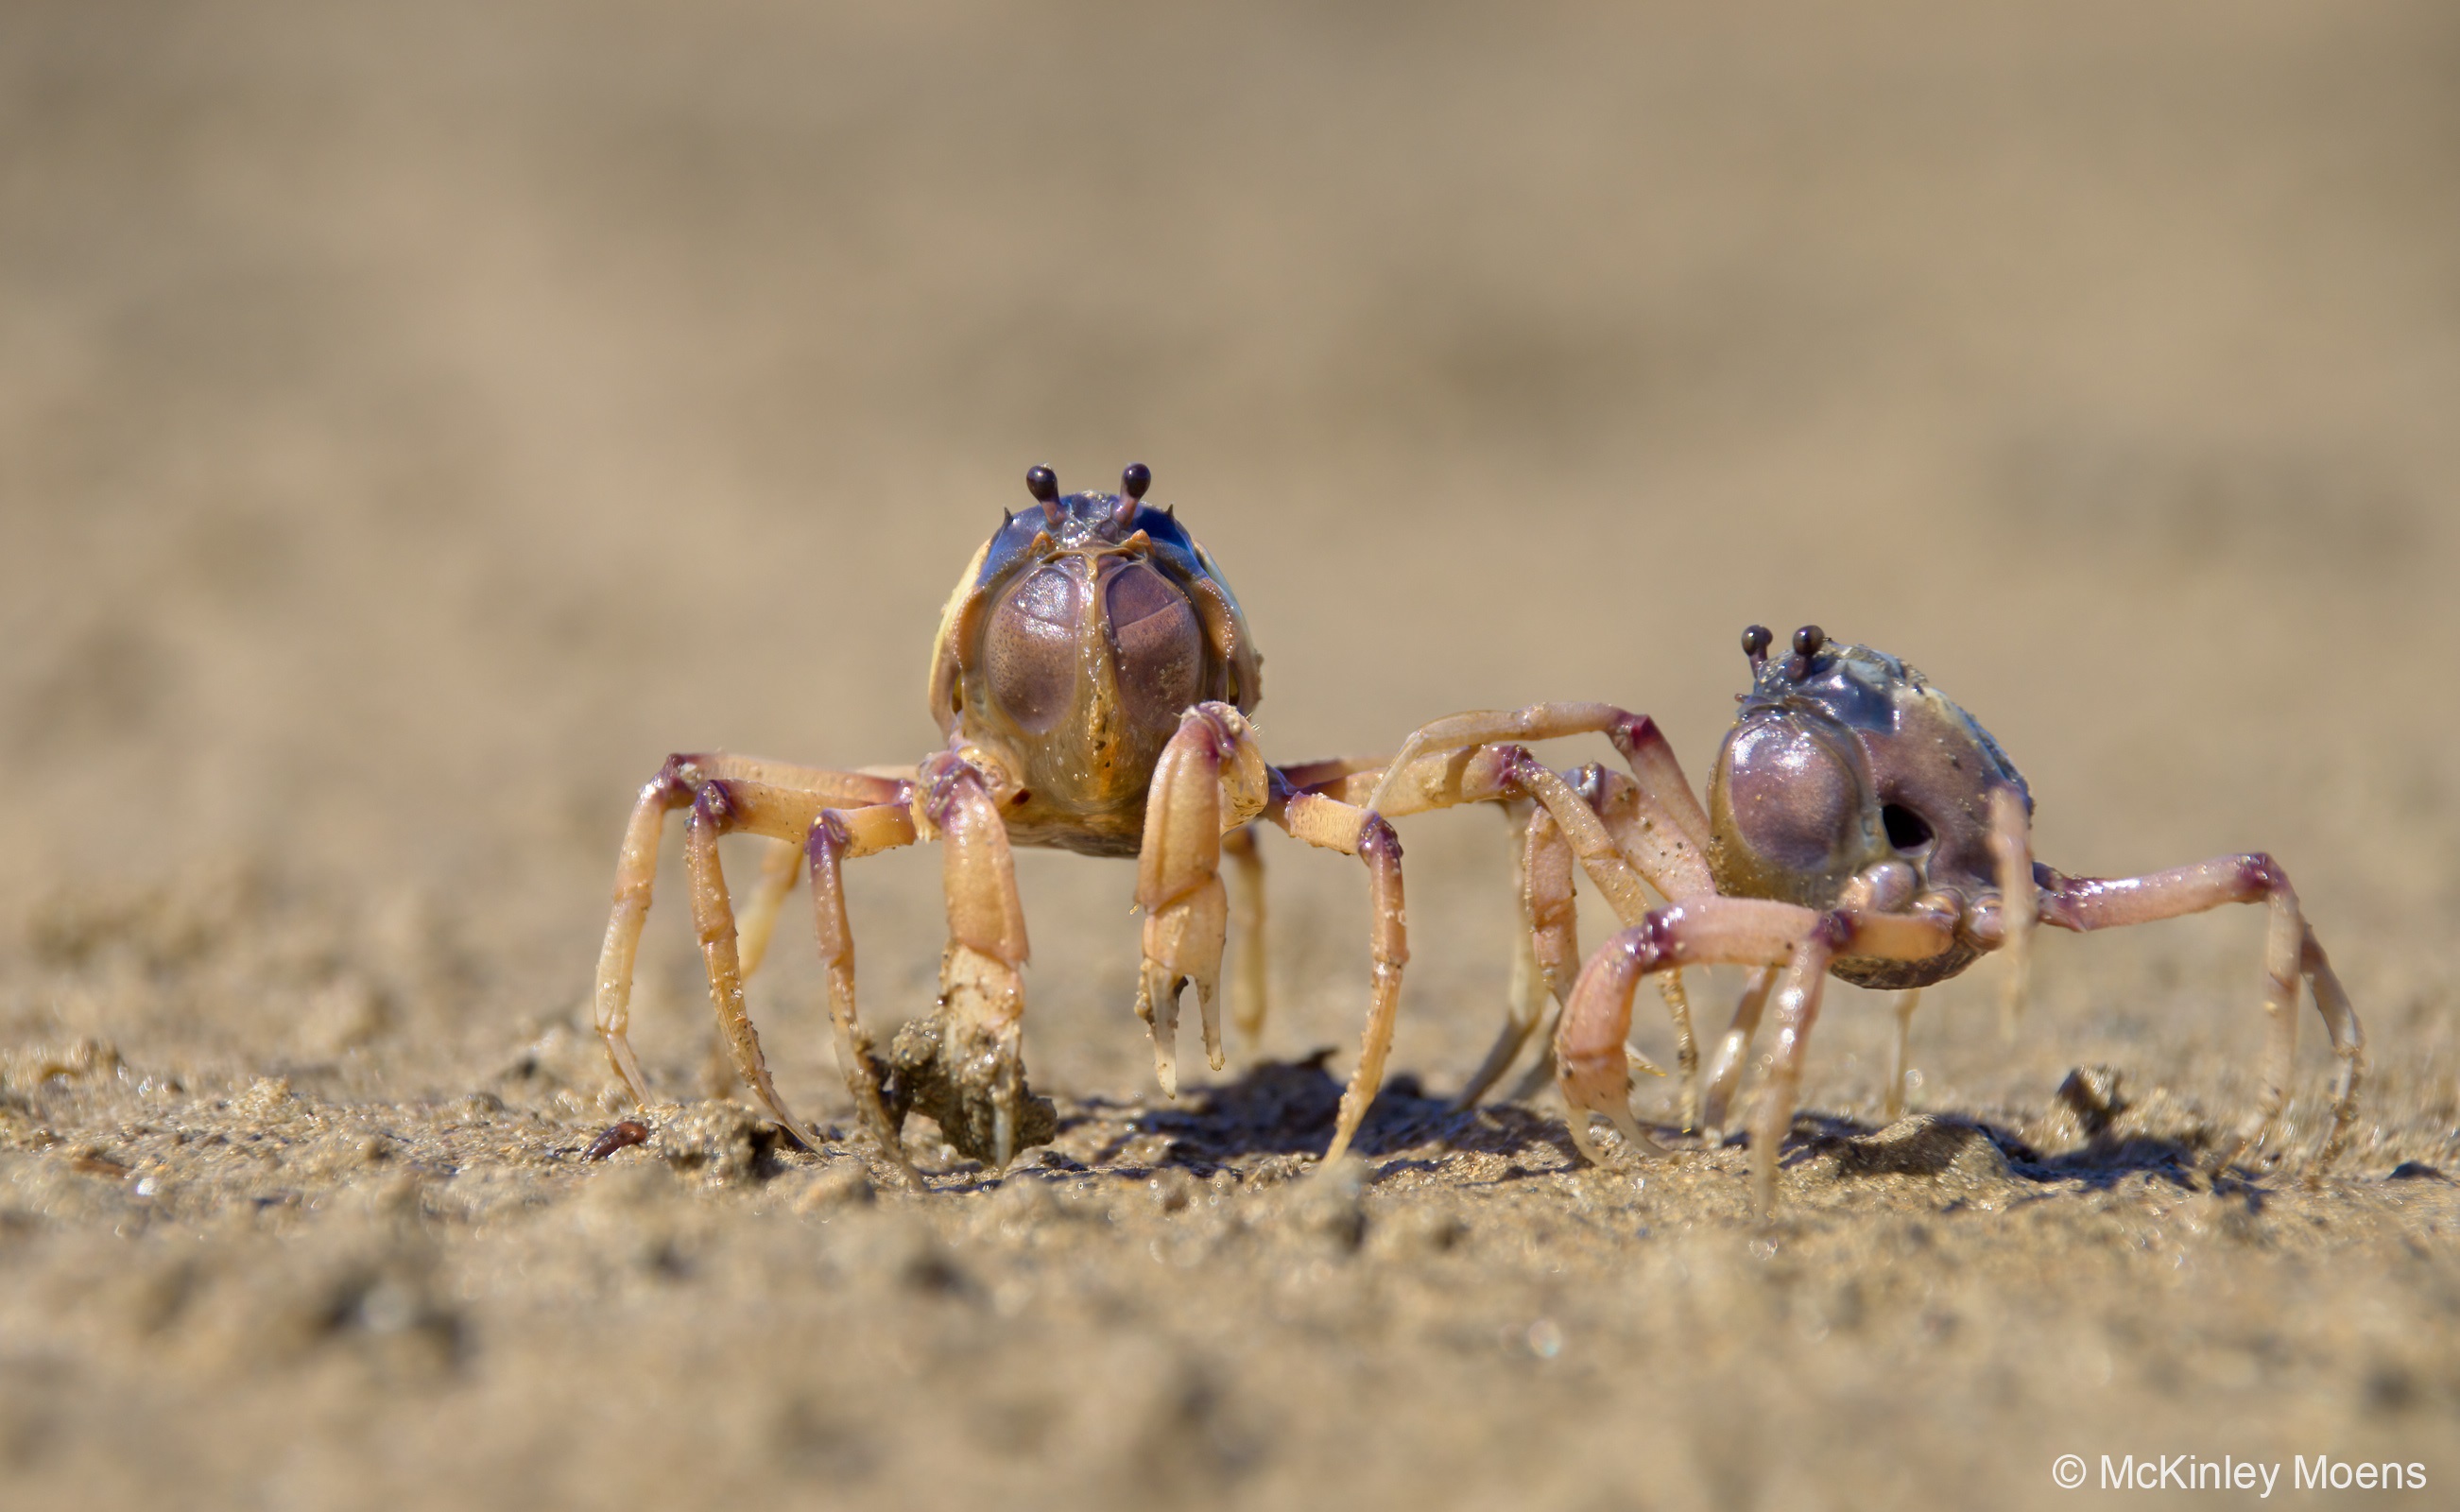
(1582,1139)
(1633,1134)
(1763,1185)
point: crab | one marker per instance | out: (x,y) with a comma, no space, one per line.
(1092,677)
(1860,824)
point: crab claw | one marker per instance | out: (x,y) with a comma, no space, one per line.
(1182,944)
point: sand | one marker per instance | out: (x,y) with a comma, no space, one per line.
(415,423)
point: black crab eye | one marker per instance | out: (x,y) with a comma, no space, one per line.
(1042,484)
(1755,643)
(1807,642)
(1136,480)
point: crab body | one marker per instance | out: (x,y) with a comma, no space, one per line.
(1845,763)
(1075,640)
(1860,824)
(1090,678)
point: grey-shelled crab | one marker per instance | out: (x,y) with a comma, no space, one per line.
(1859,825)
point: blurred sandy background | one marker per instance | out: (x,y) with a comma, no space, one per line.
(415,421)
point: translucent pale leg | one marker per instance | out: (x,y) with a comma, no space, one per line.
(757,920)
(1797,1009)
(1587,836)
(2011,844)
(2291,951)
(1725,1070)
(1591,816)
(1177,882)
(1898,1062)
(1546,946)
(1248,1000)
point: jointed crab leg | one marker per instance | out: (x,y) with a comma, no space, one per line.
(2011,847)
(1334,826)
(1211,778)
(719,808)
(1643,745)
(2290,951)
(1546,955)
(981,993)
(1742,932)
(1247,990)
(838,836)
(1906,1002)
(790,798)
(1673,868)
(757,921)
(1649,827)
(1725,1070)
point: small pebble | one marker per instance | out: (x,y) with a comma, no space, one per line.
(618,1136)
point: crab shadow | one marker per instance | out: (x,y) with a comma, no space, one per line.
(2104,1160)
(1289,1107)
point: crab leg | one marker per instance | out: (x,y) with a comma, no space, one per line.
(1905,1004)
(2291,951)
(717,809)
(1547,953)
(835,837)
(1249,995)
(1448,777)
(2011,846)
(981,990)
(1336,774)
(1667,795)
(793,796)
(757,922)
(1219,741)
(1247,991)
(1606,863)
(1649,827)
(1334,826)
(1592,1068)
(1725,1067)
